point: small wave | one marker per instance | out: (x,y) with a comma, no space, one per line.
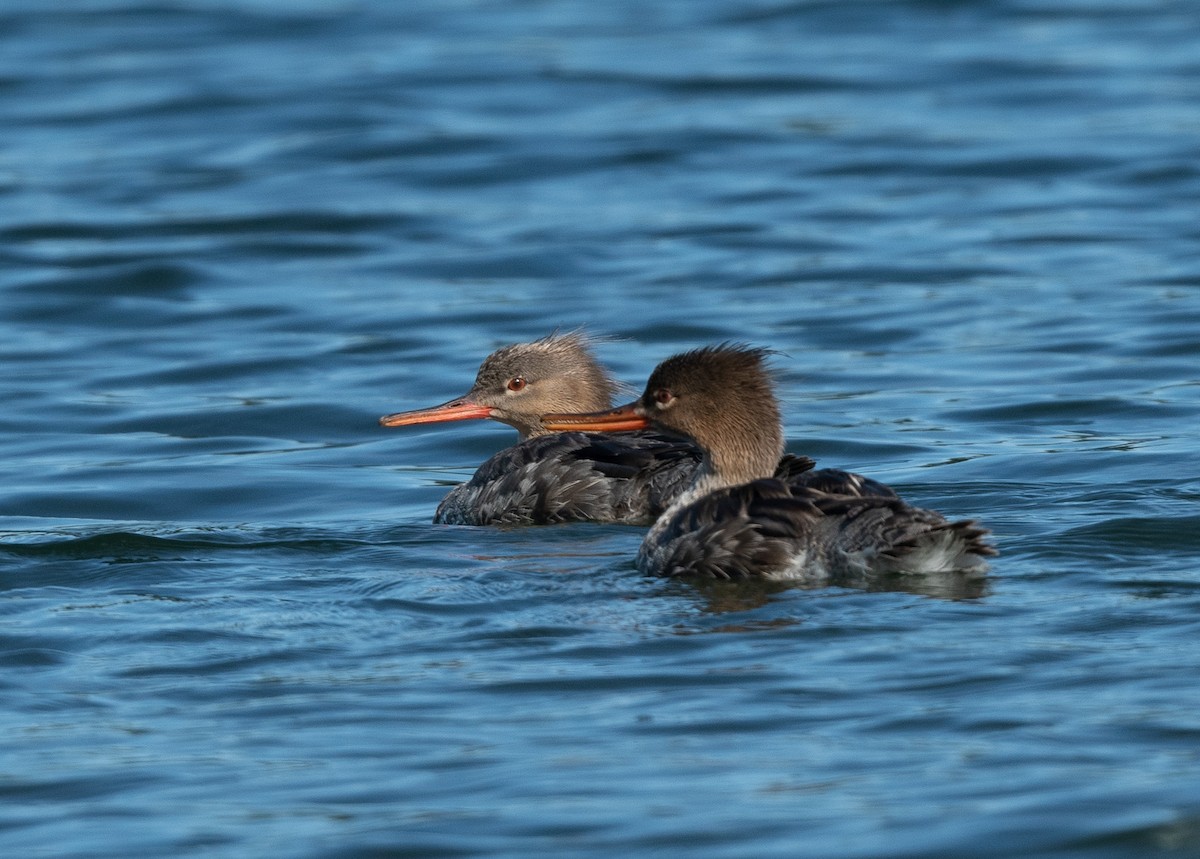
(134,544)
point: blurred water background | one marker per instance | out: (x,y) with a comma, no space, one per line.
(233,234)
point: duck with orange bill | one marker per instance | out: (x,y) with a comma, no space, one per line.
(547,477)
(738,520)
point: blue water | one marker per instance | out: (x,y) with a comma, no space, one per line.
(233,234)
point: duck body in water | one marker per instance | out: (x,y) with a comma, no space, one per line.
(574,477)
(738,519)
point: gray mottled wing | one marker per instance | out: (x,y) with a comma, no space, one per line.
(771,528)
(569,477)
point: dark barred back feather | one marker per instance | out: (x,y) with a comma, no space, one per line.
(574,477)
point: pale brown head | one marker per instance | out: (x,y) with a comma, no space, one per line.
(721,397)
(518,384)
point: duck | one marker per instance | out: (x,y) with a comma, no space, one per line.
(557,477)
(739,519)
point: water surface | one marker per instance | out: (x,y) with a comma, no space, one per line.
(233,236)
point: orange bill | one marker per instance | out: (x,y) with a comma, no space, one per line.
(455,410)
(620,419)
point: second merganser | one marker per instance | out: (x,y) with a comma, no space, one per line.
(562,477)
(737,520)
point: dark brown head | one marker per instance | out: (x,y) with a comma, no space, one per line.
(721,397)
(518,384)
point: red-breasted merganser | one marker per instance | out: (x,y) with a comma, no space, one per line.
(736,520)
(561,477)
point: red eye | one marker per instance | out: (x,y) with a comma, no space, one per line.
(516,383)
(662,396)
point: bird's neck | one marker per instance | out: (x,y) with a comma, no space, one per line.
(708,478)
